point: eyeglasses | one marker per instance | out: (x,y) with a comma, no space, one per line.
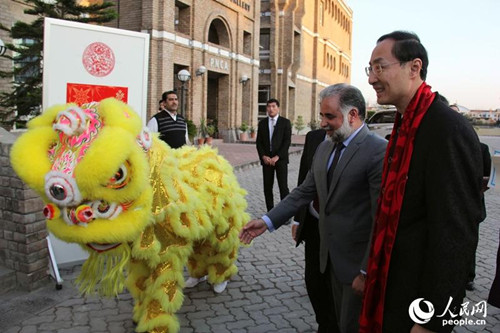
(377,69)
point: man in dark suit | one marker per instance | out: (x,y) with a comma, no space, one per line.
(345,176)
(305,228)
(274,136)
(430,200)
(485,153)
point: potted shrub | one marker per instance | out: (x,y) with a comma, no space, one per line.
(191,128)
(299,124)
(243,128)
(253,133)
(202,132)
(314,124)
(210,134)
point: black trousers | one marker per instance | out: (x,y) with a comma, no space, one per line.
(472,268)
(317,283)
(281,169)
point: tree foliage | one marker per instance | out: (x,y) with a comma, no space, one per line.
(27,54)
(299,124)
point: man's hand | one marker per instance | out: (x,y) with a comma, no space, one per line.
(266,160)
(419,329)
(274,160)
(253,229)
(294,231)
(358,284)
(485,187)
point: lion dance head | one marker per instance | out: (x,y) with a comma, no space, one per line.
(88,164)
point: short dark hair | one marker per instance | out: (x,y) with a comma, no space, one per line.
(349,97)
(273,100)
(166,93)
(407,48)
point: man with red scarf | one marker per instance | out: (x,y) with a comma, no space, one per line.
(425,227)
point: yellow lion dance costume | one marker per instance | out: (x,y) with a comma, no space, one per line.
(141,209)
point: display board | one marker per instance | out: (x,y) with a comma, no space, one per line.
(84,63)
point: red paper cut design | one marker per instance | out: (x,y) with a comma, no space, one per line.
(86,93)
(98,59)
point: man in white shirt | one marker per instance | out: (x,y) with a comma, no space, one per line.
(171,126)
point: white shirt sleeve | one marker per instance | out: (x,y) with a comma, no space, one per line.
(153,125)
(187,135)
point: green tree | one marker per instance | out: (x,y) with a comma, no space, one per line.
(27,55)
(299,124)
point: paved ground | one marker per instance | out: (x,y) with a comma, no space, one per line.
(267,295)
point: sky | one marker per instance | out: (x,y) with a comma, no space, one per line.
(462,39)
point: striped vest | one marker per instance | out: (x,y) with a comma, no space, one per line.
(171,131)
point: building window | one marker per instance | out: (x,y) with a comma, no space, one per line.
(182,18)
(213,36)
(218,33)
(265,42)
(247,43)
(296,47)
(264,95)
(321,12)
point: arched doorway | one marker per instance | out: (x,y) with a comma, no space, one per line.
(218,82)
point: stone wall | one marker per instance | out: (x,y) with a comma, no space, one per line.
(23,244)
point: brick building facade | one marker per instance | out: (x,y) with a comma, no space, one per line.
(250,50)
(305,45)
(218,36)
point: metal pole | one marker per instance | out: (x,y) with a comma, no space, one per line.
(183,98)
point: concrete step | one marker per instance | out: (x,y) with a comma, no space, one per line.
(7,280)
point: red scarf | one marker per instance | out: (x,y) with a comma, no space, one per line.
(389,207)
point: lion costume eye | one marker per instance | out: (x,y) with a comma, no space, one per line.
(121,177)
(105,210)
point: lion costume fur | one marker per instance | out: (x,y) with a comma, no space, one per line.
(142,210)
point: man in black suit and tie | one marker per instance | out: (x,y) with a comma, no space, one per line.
(274,136)
(345,176)
(305,228)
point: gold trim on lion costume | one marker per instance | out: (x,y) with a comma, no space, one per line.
(141,209)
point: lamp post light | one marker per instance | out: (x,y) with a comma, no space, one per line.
(184,77)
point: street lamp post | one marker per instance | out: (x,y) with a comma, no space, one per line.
(184,77)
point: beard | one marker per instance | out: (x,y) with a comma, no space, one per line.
(343,132)
(104,273)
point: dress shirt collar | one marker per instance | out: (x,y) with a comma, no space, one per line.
(173,115)
(349,139)
(275,118)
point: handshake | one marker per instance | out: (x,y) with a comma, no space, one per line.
(251,230)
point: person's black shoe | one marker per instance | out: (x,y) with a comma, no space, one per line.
(470,286)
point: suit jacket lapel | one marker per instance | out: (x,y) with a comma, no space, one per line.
(276,131)
(348,154)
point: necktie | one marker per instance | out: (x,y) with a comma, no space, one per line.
(273,123)
(338,150)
